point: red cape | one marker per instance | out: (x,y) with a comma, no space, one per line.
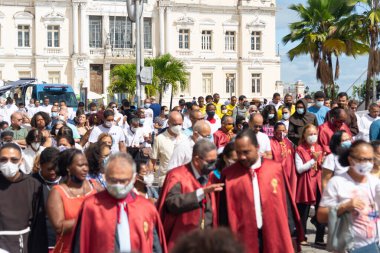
(325,132)
(241,208)
(287,161)
(176,225)
(311,180)
(98,221)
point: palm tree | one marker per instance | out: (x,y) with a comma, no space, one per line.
(366,26)
(320,37)
(123,80)
(168,71)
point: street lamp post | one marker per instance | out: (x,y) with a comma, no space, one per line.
(135,8)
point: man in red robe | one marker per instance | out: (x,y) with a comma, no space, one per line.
(327,129)
(118,220)
(187,200)
(224,134)
(256,203)
(283,152)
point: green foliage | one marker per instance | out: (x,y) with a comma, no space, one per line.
(320,35)
(167,70)
(123,80)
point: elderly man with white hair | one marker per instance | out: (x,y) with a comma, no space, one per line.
(184,150)
(132,223)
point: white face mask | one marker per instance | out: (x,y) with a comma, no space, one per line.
(285,116)
(176,129)
(363,168)
(36,145)
(61,117)
(108,124)
(120,191)
(312,139)
(9,169)
(149,179)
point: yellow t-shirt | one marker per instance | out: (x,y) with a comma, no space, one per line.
(230,109)
(203,110)
(218,109)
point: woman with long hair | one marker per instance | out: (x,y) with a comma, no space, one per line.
(270,119)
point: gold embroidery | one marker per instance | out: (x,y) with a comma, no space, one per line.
(274,184)
(146,228)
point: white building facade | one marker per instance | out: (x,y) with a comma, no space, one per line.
(228,46)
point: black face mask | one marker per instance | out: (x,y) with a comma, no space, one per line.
(208,167)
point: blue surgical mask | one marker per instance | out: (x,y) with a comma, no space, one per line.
(285,116)
(346,144)
(271,116)
(54,114)
(147,106)
(142,121)
(300,110)
(319,104)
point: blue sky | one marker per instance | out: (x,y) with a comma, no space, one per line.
(302,68)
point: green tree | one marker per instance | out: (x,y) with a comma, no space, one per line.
(319,36)
(365,25)
(123,80)
(168,71)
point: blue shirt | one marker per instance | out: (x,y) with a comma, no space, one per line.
(320,113)
(374,130)
(156,108)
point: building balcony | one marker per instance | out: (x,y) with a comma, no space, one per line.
(118,52)
(53,50)
(184,53)
(23,51)
(123,53)
(255,54)
(97,52)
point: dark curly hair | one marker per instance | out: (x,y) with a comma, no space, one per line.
(93,154)
(44,115)
(33,135)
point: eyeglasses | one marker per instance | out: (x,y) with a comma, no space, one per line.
(362,160)
(257,126)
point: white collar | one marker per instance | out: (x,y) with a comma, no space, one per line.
(196,173)
(257,164)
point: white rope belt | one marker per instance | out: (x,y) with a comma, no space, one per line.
(20,232)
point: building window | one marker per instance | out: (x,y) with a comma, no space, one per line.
(207,83)
(230,83)
(206,40)
(95,27)
(53,36)
(184,35)
(256,41)
(230,41)
(54,77)
(256,83)
(121,32)
(23,36)
(24,74)
(147,33)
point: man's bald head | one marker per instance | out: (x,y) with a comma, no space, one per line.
(256,122)
(175,118)
(196,116)
(202,128)
(16,115)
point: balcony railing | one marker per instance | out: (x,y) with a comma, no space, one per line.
(53,50)
(97,52)
(118,52)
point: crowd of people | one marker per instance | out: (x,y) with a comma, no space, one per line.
(239,176)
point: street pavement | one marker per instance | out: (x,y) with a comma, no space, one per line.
(310,238)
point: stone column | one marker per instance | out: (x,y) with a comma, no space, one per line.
(162,30)
(168,26)
(84,29)
(75,27)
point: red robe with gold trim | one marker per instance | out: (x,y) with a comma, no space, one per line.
(175,225)
(98,220)
(240,207)
(283,152)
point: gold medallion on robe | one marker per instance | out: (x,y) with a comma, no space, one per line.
(274,184)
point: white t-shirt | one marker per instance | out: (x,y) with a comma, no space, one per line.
(331,162)
(264,143)
(183,153)
(342,188)
(134,139)
(214,126)
(29,156)
(115,131)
